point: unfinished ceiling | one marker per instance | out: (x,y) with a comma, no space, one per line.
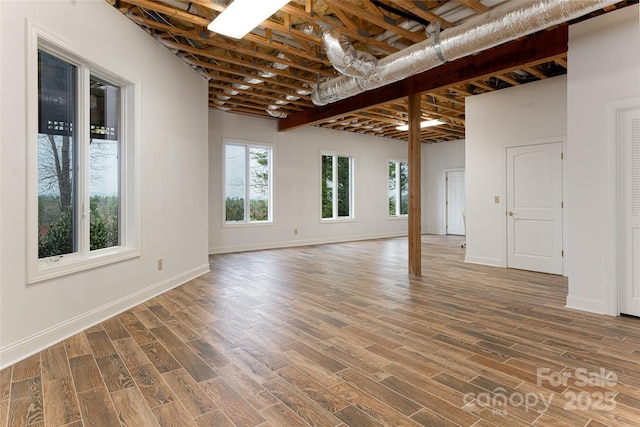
(272,71)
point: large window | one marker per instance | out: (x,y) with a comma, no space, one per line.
(247,183)
(398,188)
(83,167)
(337,186)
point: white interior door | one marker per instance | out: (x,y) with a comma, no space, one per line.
(629,221)
(455,202)
(534,207)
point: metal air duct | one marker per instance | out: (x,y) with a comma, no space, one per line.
(344,57)
(504,23)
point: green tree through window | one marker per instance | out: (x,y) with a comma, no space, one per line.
(247,183)
(336,186)
(59,167)
(398,188)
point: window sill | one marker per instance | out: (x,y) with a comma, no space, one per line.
(54,267)
(248,224)
(336,220)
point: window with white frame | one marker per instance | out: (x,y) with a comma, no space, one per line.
(247,183)
(398,188)
(337,186)
(82,197)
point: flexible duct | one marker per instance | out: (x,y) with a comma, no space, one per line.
(504,23)
(344,57)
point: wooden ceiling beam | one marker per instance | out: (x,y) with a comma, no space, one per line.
(482,85)
(380,21)
(505,78)
(268,80)
(241,63)
(508,56)
(304,99)
(170,11)
(534,72)
(345,19)
(210,42)
(248,94)
(475,5)
(347,32)
(421,11)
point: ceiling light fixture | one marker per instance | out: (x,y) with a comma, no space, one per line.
(424,124)
(242,16)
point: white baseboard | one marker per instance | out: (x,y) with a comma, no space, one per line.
(475,259)
(438,231)
(37,342)
(586,304)
(294,243)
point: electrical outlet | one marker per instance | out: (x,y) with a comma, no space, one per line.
(496,199)
(160,264)
(295,231)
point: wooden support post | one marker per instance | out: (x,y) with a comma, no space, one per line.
(415,229)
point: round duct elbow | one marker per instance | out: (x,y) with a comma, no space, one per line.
(344,57)
(277,114)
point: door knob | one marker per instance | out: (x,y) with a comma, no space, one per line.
(511,213)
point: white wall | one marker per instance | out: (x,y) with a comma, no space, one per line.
(297,185)
(173,177)
(604,66)
(519,115)
(436,159)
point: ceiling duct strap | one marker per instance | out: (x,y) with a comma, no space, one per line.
(437,46)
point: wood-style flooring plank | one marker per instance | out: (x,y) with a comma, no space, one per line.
(152,386)
(77,345)
(160,357)
(130,353)
(85,372)
(5,383)
(214,418)
(4,412)
(352,416)
(27,368)
(100,344)
(25,403)
(59,394)
(132,409)
(114,373)
(303,406)
(247,387)
(280,415)
(97,408)
(193,364)
(243,414)
(173,414)
(189,393)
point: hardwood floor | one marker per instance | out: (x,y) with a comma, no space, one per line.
(339,335)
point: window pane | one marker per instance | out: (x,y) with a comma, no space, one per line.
(344,205)
(104,165)
(392,188)
(327,186)
(259,191)
(404,188)
(235,175)
(56,156)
